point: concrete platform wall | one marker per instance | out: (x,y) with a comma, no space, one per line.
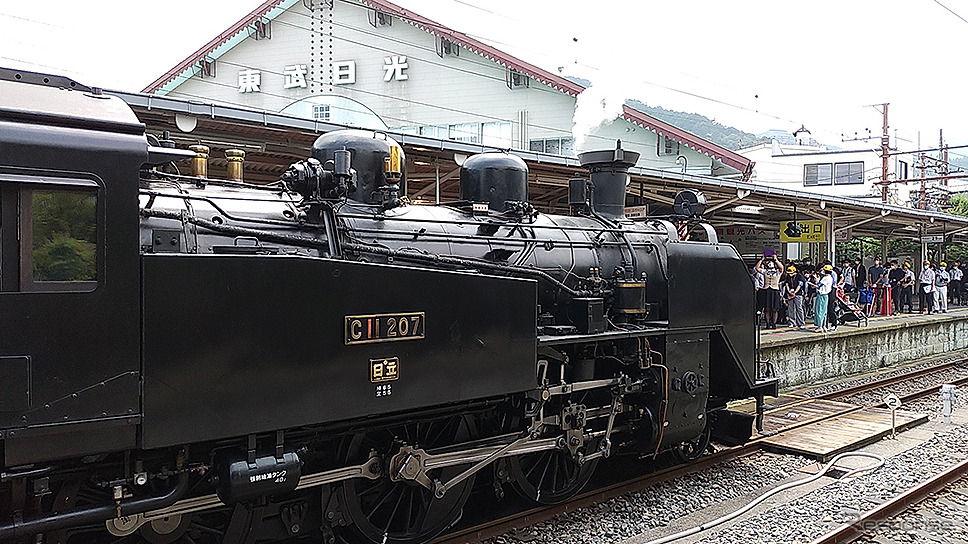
(802,358)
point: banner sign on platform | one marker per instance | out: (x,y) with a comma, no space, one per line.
(842,235)
(809,231)
(749,239)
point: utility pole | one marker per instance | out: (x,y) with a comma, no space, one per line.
(921,203)
(885,152)
(947,170)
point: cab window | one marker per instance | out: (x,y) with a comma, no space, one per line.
(63,236)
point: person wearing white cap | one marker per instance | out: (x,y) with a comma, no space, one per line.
(941,279)
(926,289)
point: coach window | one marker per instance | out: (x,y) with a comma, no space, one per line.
(59,237)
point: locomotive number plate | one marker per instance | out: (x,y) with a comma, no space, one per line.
(367,329)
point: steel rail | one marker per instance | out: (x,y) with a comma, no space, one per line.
(871,519)
(866,387)
(531,516)
(493,528)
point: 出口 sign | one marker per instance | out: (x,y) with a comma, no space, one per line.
(803,231)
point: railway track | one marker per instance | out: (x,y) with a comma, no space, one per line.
(887,382)
(849,532)
(532,516)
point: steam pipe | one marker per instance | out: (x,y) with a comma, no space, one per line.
(611,225)
(97,514)
(466,262)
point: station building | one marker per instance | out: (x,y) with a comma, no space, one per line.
(373,64)
(292,69)
(812,167)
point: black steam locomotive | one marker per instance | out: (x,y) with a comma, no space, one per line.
(216,361)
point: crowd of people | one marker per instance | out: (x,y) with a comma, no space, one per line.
(787,292)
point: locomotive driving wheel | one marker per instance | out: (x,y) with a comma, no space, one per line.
(383,511)
(549,477)
(554,476)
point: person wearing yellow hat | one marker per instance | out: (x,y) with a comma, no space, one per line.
(941,280)
(907,288)
(824,286)
(926,289)
(794,287)
(894,277)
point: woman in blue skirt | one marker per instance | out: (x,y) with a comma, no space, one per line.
(824,287)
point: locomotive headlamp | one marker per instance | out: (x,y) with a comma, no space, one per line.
(689,203)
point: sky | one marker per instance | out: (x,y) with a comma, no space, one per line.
(753,64)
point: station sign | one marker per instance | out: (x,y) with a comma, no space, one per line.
(932,238)
(842,235)
(809,231)
(749,240)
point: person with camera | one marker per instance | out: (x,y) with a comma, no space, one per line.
(771,288)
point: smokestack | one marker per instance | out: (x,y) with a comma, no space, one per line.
(609,173)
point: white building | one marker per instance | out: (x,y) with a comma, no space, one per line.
(811,167)
(370,63)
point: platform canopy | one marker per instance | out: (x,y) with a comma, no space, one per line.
(272,141)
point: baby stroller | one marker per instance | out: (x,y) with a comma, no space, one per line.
(849,311)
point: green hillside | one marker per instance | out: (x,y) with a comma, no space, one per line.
(729,137)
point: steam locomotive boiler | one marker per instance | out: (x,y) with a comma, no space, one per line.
(187,358)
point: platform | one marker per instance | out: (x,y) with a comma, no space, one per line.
(825,439)
(801,357)
(785,335)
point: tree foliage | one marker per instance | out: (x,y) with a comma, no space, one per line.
(64,236)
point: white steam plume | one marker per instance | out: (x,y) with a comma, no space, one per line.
(597,105)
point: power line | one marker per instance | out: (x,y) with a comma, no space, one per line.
(554,130)
(951,11)
(25,19)
(590,67)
